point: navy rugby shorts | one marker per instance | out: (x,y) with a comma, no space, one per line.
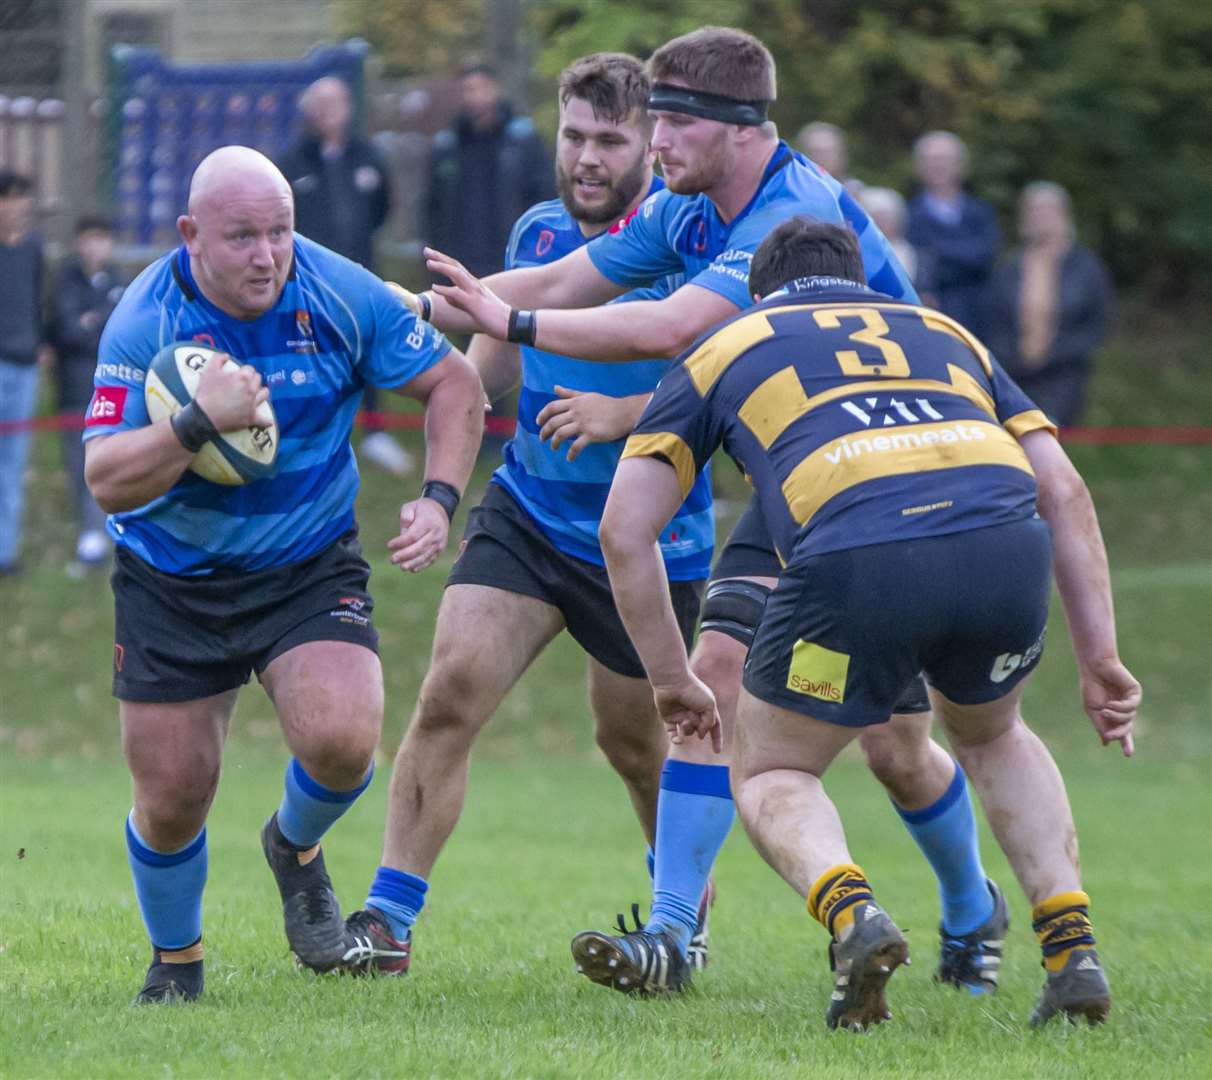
(750,552)
(846,631)
(179,638)
(504,549)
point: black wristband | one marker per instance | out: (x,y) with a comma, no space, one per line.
(193,427)
(522,327)
(426,305)
(445,495)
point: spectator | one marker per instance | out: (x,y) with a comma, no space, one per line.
(486,169)
(956,234)
(1052,303)
(87,287)
(887,210)
(342,196)
(22,347)
(824,144)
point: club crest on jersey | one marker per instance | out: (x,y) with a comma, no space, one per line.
(306,340)
(543,244)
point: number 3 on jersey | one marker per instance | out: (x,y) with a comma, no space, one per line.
(895,365)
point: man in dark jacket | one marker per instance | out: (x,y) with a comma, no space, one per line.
(486,169)
(22,346)
(342,196)
(87,288)
(955,233)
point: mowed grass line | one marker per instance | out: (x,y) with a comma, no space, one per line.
(546,849)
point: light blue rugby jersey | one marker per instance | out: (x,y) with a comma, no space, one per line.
(565,498)
(335,329)
(684,234)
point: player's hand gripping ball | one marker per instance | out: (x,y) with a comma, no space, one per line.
(231,457)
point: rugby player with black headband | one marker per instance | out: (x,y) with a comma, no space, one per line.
(729,182)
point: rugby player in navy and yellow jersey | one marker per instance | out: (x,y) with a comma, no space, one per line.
(730,181)
(212,583)
(899,470)
(530,565)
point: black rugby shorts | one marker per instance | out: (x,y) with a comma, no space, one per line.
(846,631)
(179,638)
(749,552)
(504,549)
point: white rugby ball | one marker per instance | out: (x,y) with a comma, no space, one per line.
(232,457)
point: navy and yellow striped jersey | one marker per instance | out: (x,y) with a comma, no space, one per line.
(858,418)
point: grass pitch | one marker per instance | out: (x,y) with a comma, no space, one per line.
(548,847)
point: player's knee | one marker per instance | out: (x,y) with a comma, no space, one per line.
(450,702)
(718,661)
(632,753)
(173,810)
(889,758)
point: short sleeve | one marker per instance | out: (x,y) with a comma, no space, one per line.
(1017,413)
(677,426)
(401,346)
(728,272)
(128,346)
(637,250)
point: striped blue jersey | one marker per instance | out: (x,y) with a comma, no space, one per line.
(859,419)
(565,498)
(335,329)
(684,234)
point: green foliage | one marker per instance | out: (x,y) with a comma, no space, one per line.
(415,37)
(1103,96)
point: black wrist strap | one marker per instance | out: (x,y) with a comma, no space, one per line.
(445,495)
(193,427)
(426,305)
(523,328)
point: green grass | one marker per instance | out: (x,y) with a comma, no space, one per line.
(548,847)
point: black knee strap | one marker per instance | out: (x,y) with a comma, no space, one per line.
(734,607)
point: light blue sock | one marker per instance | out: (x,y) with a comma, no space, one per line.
(168,885)
(946,833)
(400,896)
(309,808)
(694,814)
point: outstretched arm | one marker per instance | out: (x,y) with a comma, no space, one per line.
(642,329)
(1109,691)
(570,282)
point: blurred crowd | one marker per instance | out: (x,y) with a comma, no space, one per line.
(1043,304)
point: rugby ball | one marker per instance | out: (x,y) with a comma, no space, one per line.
(232,457)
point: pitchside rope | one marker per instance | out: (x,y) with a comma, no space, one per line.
(504,425)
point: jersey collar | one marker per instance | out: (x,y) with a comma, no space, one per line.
(820,288)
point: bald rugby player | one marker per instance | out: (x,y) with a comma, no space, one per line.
(213,584)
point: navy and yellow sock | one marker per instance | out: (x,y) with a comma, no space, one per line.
(833,896)
(1062,924)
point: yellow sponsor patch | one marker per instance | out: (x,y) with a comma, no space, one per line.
(818,672)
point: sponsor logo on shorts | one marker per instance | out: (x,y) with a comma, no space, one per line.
(818,672)
(1008,663)
(354,602)
(119,656)
(106,407)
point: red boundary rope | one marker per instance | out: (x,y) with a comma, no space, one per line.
(504,425)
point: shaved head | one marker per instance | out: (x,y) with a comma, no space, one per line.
(238,171)
(239,230)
